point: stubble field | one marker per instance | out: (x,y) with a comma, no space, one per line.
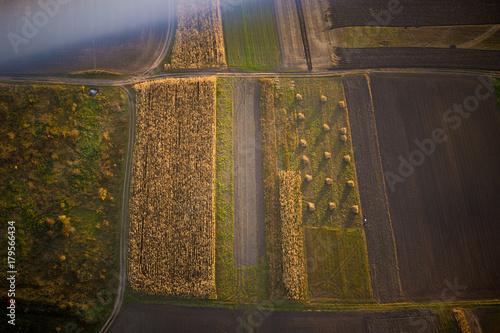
(172,218)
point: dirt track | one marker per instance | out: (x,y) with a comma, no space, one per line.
(404,57)
(165,318)
(379,235)
(248,192)
(409,13)
(445,213)
(289,34)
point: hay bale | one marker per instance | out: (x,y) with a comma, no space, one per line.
(311,207)
(303,143)
(326,128)
(309,178)
(343,138)
(323,99)
(355,209)
(305,160)
(299,97)
(341,104)
(328,155)
(301,116)
(343,131)
(350,183)
(329,181)
(332,205)
(347,158)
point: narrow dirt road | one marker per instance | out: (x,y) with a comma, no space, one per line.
(248,192)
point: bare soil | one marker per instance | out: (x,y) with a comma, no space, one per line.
(379,235)
(289,36)
(317,34)
(410,13)
(248,192)
(445,213)
(408,57)
(163,318)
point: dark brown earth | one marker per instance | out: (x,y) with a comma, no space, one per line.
(248,192)
(149,318)
(379,235)
(445,214)
(409,13)
(426,57)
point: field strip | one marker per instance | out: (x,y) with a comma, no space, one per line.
(479,39)
(248,202)
(379,235)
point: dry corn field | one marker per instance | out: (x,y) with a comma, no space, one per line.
(172,221)
(292,232)
(199,41)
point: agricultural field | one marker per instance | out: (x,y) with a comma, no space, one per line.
(292,233)
(416,57)
(405,13)
(250,35)
(318,36)
(171,248)
(199,41)
(482,37)
(309,133)
(62,163)
(379,234)
(240,264)
(290,37)
(338,269)
(438,139)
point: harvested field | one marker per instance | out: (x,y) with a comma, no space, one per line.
(337,265)
(444,207)
(320,46)
(292,233)
(406,13)
(155,317)
(250,35)
(289,34)
(423,321)
(199,41)
(294,143)
(172,222)
(379,234)
(404,57)
(483,37)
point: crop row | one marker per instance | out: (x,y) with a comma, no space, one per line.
(172,220)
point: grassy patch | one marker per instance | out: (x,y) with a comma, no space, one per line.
(291,130)
(418,37)
(97,74)
(337,264)
(61,175)
(232,283)
(496,84)
(250,36)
